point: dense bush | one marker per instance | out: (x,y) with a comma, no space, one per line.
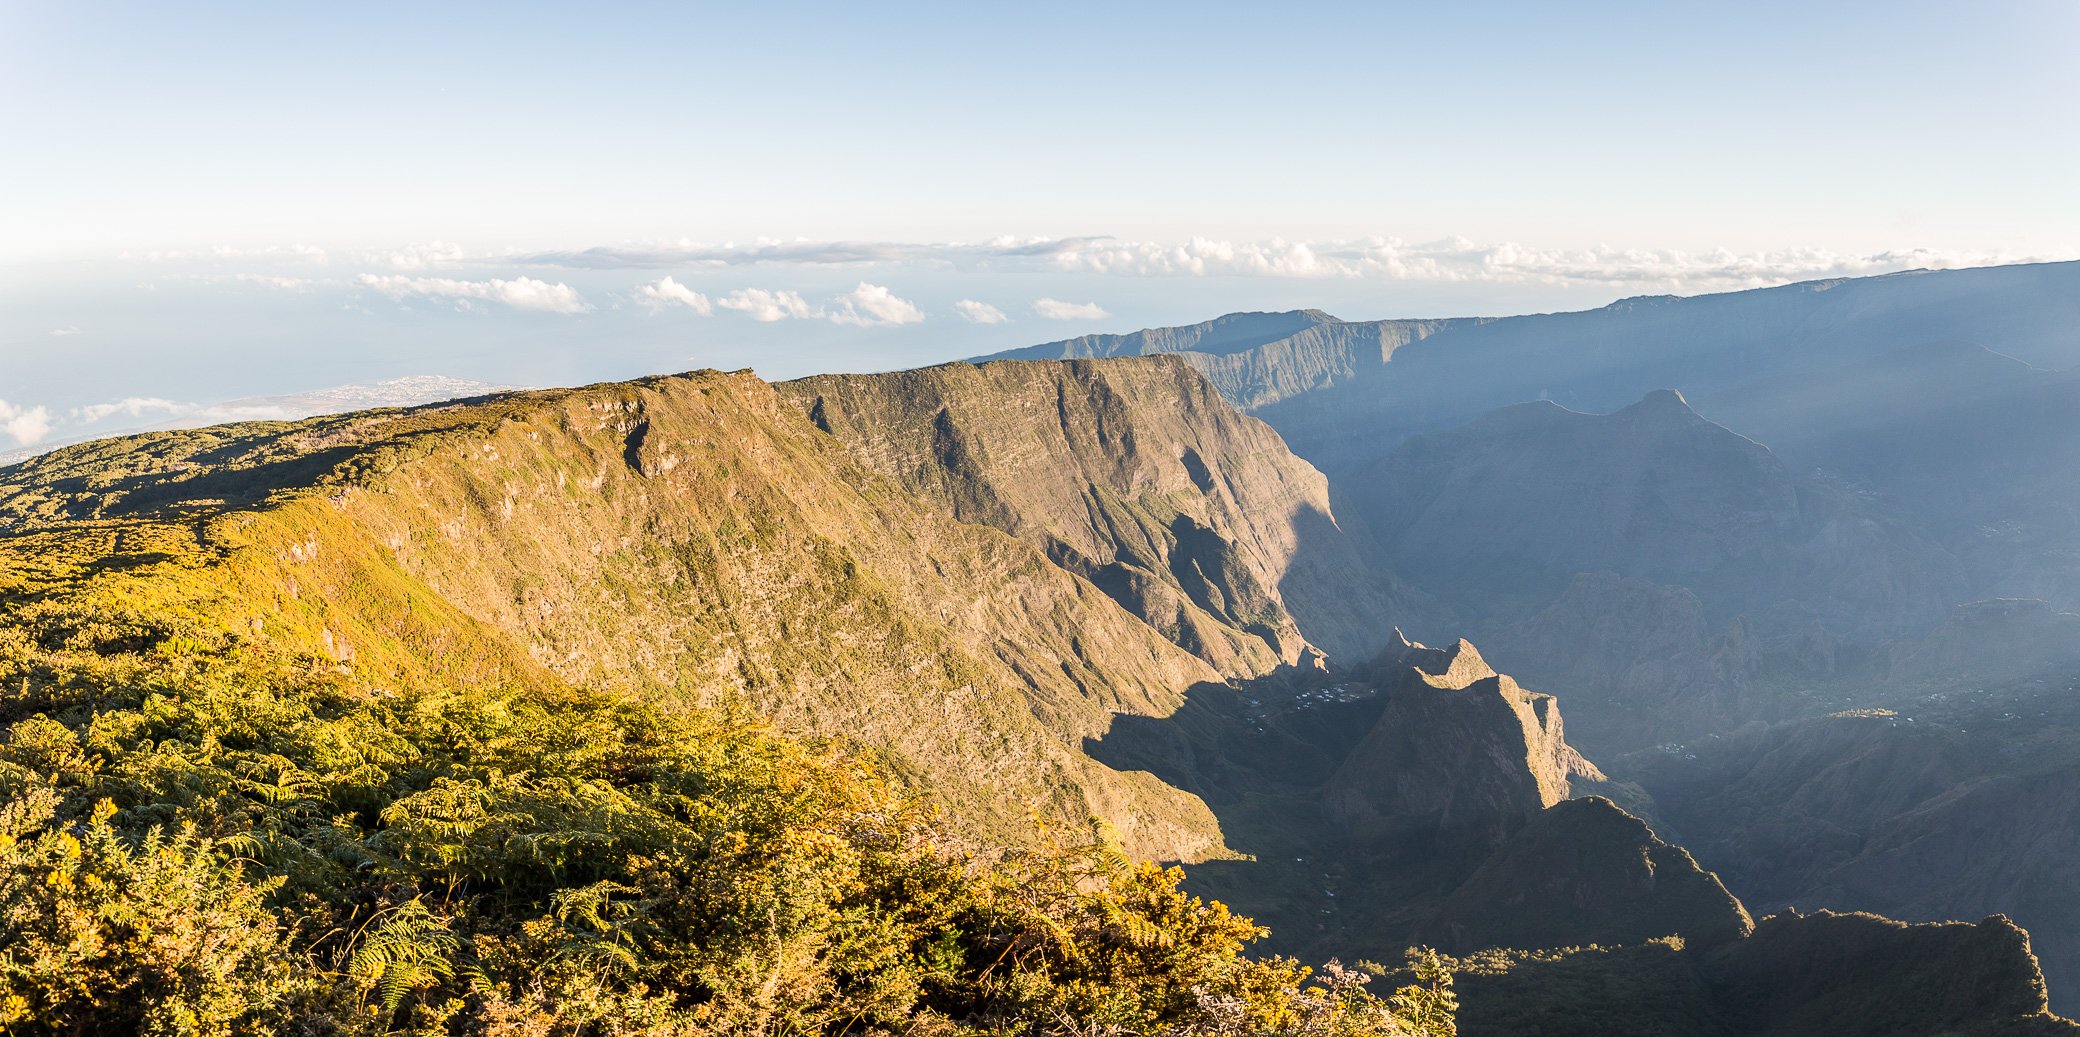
(199,836)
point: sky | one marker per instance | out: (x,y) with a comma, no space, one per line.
(209,201)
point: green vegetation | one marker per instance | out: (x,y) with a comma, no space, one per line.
(204,832)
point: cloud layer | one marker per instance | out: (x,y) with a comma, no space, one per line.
(871,304)
(762,305)
(23,424)
(521,293)
(1056,309)
(979,312)
(668,292)
(1382,258)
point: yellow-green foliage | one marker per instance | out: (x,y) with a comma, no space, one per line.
(201,832)
(689,539)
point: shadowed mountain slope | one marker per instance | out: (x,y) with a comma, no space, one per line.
(1513,505)
(1361,387)
(1853,975)
(1979,449)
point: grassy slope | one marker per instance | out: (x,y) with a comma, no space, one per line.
(688,537)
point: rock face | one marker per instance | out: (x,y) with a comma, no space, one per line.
(1584,871)
(1135,475)
(1461,756)
(1221,336)
(1258,359)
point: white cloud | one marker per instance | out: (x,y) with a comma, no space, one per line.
(65,332)
(1056,309)
(763,305)
(521,293)
(1379,258)
(25,425)
(669,292)
(871,304)
(135,406)
(286,284)
(979,312)
(1459,259)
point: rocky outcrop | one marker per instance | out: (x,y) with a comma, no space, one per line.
(1461,756)
(1134,474)
(1222,336)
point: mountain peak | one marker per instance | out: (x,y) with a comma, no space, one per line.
(1453,668)
(1461,754)
(1661,402)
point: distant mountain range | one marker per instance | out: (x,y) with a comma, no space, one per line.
(1688,517)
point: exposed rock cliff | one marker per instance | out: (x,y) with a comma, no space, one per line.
(1134,474)
(1460,756)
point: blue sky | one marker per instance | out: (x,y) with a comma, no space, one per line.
(215,200)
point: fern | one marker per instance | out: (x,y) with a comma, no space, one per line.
(412,950)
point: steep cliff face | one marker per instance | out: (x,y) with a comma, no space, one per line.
(1258,359)
(1314,358)
(1461,756)
(689,537)
(1135,475)
(1223,335)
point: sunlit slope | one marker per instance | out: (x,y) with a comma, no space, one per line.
(691,537)
(1135,474)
